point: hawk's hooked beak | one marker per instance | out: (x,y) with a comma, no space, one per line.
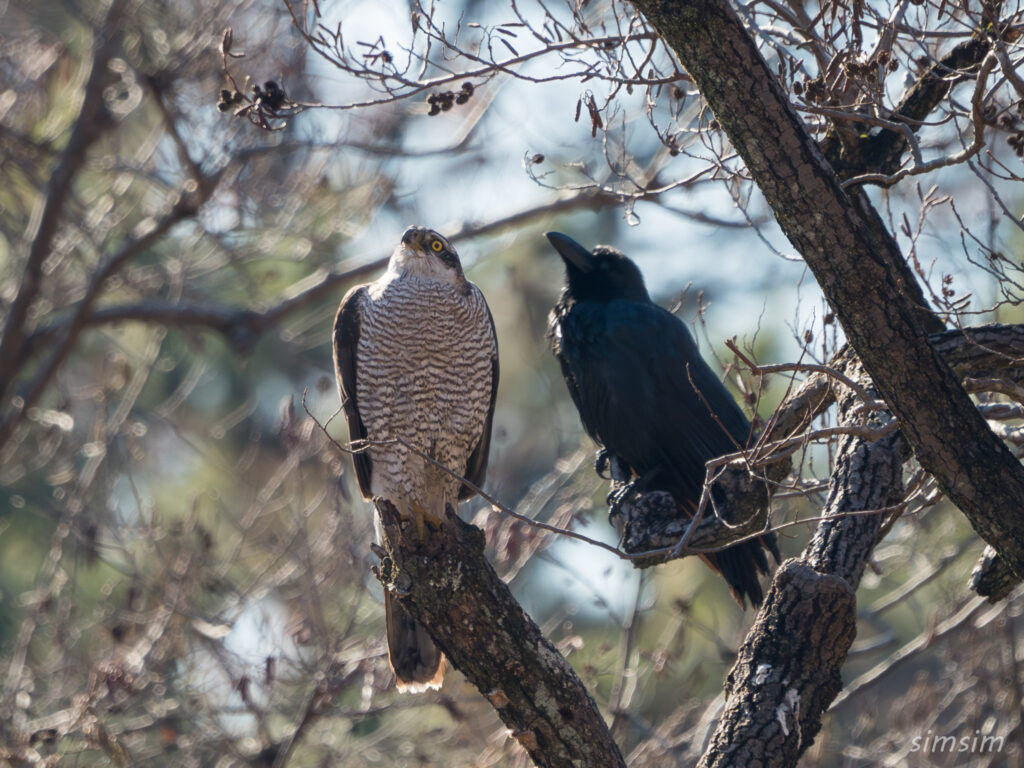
(413,236)
(571,252)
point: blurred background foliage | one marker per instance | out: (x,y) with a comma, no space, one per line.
(184,559)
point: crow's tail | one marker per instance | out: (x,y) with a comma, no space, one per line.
(741,565)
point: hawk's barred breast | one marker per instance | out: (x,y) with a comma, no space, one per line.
(425,358)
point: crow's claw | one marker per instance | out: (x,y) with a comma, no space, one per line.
(601,460)
(620,496)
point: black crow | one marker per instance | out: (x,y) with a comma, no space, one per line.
(633,371)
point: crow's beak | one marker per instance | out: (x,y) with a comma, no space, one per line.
(572,252)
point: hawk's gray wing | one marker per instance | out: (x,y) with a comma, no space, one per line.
(346,346)
(476,465)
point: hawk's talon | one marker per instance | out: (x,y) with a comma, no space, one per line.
(401,584)
(424,521)
(420,517)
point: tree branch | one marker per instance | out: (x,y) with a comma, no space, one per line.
(786,672)
(92,121)
(242,326)
(448,586)
(788,669)
(186,206)
(918,168)
(883,152)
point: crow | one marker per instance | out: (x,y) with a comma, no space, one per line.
(644,393)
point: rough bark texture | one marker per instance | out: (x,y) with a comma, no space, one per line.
(993,350)
(985,350)
(788,669)
(865,476)
(991,578)
(851,261)
(449,586)
(654,521)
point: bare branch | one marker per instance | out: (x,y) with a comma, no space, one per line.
(90,124)
(978,122)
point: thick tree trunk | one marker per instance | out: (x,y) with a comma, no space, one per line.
(787,671)
(852,262)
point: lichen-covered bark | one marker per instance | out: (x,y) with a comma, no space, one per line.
(990,577)
(448,585)
(852,262)
(654,522)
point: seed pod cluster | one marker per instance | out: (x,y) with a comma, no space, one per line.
(445,100)
(1013,124)
(813,90)
(271,95)
(1016,142)
(869,68)
(228,99)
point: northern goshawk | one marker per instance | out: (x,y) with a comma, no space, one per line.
(416,359)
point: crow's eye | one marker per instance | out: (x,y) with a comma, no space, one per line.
(437,245)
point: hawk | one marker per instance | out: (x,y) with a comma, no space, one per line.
(645,394)
(416,359)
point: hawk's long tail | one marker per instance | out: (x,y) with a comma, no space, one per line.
(417,662)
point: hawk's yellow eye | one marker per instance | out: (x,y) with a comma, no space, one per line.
(437,245)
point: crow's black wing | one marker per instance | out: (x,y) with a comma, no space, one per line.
(634,372)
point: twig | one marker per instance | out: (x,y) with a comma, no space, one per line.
(870,403)
(1002,386)
(359,446)
(186,206)
(917,645)
(978,121)
(365,445)
(242,325)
